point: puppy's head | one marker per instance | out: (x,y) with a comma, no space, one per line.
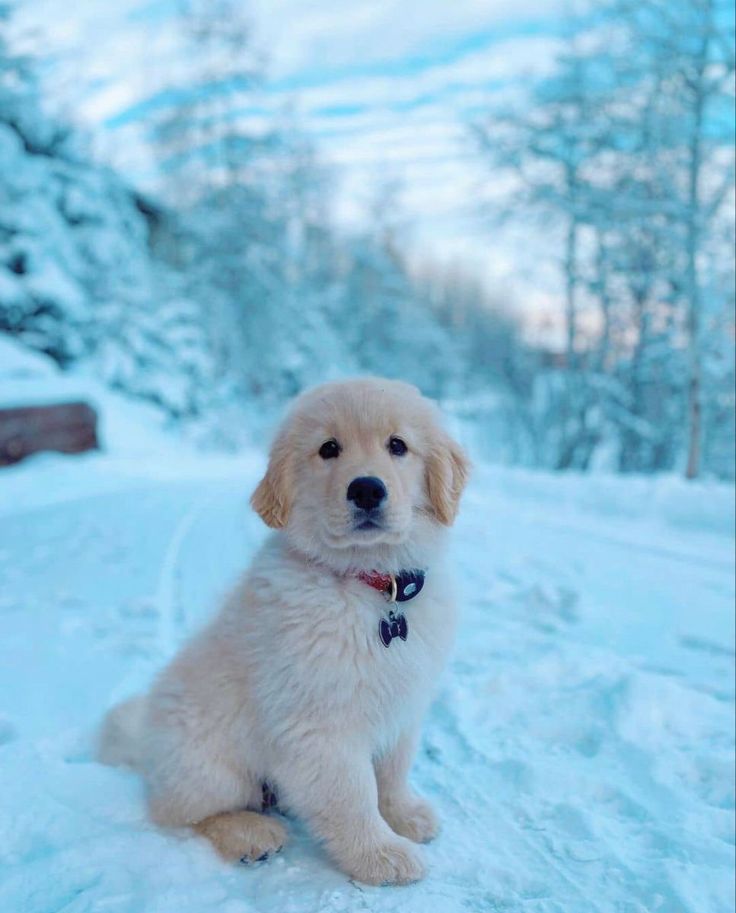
(360,465)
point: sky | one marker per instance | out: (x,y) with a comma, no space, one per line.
(385,89)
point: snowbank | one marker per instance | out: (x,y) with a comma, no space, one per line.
(708,505)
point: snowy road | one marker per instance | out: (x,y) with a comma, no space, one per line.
(580,751)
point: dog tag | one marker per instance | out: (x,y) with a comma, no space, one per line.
(391,627)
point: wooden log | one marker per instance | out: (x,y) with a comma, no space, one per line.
(66,427)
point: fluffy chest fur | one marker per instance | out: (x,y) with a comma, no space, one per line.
(310,643)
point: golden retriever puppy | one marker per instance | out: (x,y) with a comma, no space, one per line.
(312,681)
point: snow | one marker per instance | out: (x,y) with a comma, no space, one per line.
(17,361)
(134,437)
(580,750)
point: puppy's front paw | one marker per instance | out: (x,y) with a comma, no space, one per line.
(394,862)
(413,818)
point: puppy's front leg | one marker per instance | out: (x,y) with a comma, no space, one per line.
(406,812)
(333,788)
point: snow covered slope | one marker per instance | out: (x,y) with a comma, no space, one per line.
(580,750)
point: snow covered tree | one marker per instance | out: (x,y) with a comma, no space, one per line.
(196,133)
(78,278)
(551,148)
(628,149)
(252,227)
(689,49)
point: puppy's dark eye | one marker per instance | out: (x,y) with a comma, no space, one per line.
(329,450)
(397,447)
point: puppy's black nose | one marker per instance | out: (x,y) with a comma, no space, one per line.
(367,492)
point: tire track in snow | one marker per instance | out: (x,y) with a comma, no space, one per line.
(167,603)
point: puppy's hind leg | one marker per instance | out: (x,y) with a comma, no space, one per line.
(213,800)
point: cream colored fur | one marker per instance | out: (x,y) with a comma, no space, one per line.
(290,681)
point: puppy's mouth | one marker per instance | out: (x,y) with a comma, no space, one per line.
(368,523)
(363,528)
(372,520)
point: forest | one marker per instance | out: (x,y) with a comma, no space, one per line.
(231,286)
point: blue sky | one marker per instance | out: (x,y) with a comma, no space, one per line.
(386,89)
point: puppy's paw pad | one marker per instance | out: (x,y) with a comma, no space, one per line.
(415,819)
(389,863)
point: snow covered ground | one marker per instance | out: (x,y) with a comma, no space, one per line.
(580,750)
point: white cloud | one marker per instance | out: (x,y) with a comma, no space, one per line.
(468,75)
(302,34)
(385,88)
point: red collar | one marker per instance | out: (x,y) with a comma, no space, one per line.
(384,583)
(396,587)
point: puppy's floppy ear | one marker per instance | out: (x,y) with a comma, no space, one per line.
(273,496)
(446,474)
